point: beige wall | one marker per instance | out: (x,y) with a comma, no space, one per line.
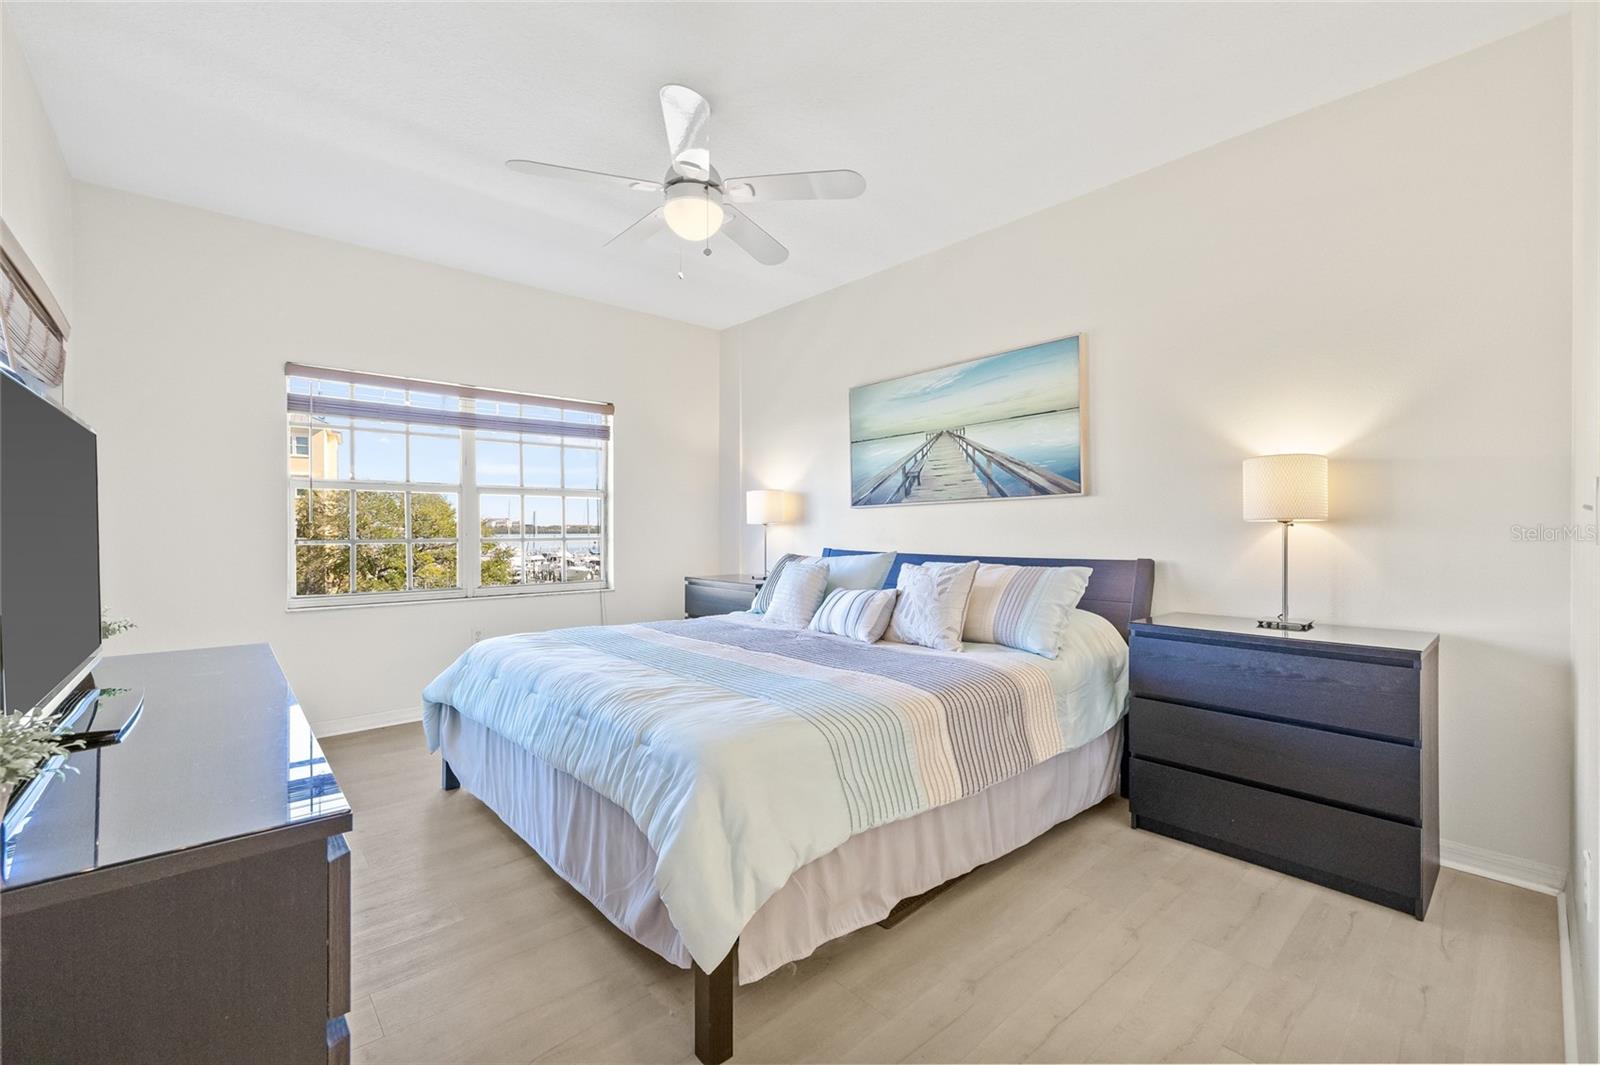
(1585,512)
(178,365)
(1385,279)
(35,187)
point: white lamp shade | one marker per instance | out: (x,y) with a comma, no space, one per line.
(693,211)
(1286,488)
(764,506)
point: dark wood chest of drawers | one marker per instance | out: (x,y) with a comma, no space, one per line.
(703,596)
(1314,753)
(183,895)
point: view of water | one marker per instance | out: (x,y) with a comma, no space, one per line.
(1048,440)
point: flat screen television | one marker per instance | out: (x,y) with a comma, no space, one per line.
(49,549)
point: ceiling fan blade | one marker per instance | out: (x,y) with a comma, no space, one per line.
(587,177)
(640,231)
(688,118)
(809,185)
(753,239)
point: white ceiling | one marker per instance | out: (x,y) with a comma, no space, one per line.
(386,124)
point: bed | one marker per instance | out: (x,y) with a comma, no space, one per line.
(732,794)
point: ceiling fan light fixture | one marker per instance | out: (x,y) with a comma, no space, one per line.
(694,211)
(699,204)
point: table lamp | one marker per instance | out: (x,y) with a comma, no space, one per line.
(764,507)
(1286,489)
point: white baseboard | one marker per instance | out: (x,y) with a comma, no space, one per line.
(1506,868)
(338,726)
(1569,1016)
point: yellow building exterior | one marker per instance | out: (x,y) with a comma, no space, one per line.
(314,453)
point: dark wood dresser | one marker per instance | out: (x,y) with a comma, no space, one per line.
(703,596)
(184,895)
(1314,753)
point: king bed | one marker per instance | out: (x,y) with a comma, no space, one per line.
(733,794)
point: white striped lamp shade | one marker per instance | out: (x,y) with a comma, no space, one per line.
(1286,488)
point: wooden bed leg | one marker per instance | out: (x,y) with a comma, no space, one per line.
(713,1010)
(447,779)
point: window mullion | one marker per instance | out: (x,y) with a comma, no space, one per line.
(563,527)
(405,518)
(471,549)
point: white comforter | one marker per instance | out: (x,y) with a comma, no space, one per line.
(744,751)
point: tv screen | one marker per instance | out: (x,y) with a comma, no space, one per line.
(49,547)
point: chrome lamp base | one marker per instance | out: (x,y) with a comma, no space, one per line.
(1283,622)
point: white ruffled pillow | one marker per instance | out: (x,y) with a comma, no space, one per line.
(859,613)
(798,593)
(932,607)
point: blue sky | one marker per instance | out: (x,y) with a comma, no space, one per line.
(1043,377)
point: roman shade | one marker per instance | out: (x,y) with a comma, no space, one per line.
(35,332)
(477,408)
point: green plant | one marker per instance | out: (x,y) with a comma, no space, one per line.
(27,741)
(110,627)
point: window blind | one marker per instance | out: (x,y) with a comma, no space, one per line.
(476,408)
(34,343)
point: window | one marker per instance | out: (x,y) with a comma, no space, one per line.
(541,501)
(405,489)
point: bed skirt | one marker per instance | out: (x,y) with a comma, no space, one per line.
(595,846)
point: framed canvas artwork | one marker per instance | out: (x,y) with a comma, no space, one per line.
(998,427)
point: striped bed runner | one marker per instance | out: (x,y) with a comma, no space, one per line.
(908,730)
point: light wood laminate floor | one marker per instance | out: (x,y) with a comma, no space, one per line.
(1093,943)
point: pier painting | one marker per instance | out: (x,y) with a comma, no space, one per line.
(1002,426)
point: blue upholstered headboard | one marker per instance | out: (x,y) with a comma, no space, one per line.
(1119,589)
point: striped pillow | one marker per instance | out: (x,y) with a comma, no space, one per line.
(859,613)
(798,593)
(769,587)
(1025,607)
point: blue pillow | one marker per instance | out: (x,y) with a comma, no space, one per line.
(857,571)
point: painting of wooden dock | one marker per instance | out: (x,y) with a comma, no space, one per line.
(1002,426)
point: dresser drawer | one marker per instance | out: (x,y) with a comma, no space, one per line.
(1369,694)
(1351,770)
(704,598)
(1363,855)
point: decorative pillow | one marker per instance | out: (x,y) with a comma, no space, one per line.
(764,597)
(933,605)
(859,613)
(857,571)
(799,592)
(1025,607)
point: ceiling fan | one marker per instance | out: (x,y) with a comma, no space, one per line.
(697,202)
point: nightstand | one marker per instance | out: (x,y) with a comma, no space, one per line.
(1314,753)
(719,595)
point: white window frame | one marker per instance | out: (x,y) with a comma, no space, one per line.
(469,539)
(521,490)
